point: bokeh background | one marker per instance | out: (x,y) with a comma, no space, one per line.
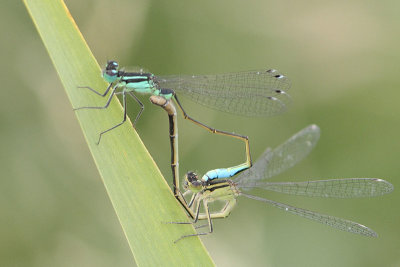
(342,58)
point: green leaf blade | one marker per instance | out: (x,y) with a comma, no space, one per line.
(139,194)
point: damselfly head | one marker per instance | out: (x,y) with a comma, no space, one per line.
(192,182)
(110,73)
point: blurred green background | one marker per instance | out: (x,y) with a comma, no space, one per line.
(343,60)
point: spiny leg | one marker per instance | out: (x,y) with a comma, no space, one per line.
(141,108)
(224,212)
(196,213)
(107,103)
(192,222)
(97,92)
(187,206)
(205,203)
(200,226)
(181,199)
(245,139)
(192,199)
(179,196)
(119,124)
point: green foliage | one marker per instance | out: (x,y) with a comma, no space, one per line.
(139,194)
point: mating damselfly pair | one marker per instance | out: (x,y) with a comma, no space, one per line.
(215,185)
(252,93)
(247,93)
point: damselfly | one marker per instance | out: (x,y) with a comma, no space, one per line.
(271,163)
(252,93)
(173,135)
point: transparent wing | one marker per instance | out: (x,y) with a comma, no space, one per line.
(252,93)
(335,188)
(256,172)
(283,157)
(137,69)
(342,224)
(292,151)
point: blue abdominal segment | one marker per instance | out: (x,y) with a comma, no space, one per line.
(225,172)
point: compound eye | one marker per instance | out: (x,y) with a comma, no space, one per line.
(111,72)
(192,177)
(112,65)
